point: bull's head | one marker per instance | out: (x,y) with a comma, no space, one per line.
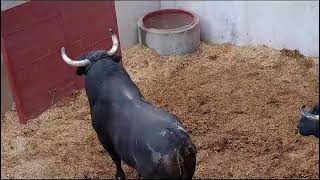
(86,60)
(309,122)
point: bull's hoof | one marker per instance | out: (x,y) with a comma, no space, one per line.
(139,176)
(120,175)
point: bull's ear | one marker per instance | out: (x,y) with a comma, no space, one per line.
(117,58)
(81,71)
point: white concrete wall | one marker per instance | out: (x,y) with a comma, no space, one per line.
(285,24)
(9,4)
(6,96)
(128,13)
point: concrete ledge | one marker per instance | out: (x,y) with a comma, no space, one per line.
(6,96)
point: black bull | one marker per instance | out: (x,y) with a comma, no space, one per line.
(147,138)
(309,121)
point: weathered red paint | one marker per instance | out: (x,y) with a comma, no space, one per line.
(31,37)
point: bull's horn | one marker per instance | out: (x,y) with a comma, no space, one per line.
(71,62)
(115,43)
(308,115)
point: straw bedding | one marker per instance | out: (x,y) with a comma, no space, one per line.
(240,105)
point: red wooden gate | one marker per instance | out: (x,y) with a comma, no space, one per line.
(31,37)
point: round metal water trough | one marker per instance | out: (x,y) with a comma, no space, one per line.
(170,31)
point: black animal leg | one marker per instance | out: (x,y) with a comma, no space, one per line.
(115,158)
(139,176)
(117,161)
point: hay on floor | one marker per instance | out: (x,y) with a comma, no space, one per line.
(240,105)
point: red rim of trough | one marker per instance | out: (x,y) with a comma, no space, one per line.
(191,25)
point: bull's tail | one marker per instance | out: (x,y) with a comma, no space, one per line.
(187,161)
(185,153)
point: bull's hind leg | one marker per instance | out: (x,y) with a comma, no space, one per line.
(115,158)
(117,161)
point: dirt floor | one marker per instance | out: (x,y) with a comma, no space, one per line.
(240,105)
